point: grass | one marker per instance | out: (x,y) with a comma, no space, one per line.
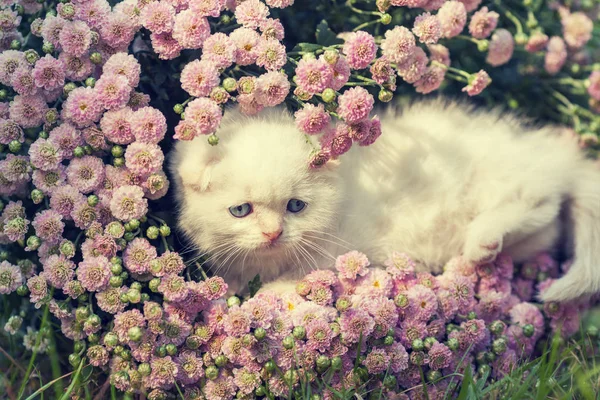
(564,370)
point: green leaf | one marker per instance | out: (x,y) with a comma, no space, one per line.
(325,36)
(307,47)
(254,285)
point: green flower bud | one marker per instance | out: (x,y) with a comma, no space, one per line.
(67,248)
(93,338)
(90,82)
(472,315)
(3,94)
(323,362)
(429,342)
(497,327)
(592,331)
(19,9)
(212,372)
(124,298)
(213,140)
(134,224)
(260,333)
(14,146)
(434,375)
(331,56)
(111,339)
(299,332)
(74,359)
(134,296)
(117,151)
(401,301)
(288,342)
(78,152)
(336,363)
(96,58)
(418,345)
(116,269)
(193,342)
(31,56)
(51,116)
(153,284)
(260,391)
(144,369)
(88,149)
(135,333)
(68,88)
(230,84)
(221,361)
(164,230)
(152,232)
(47,47)
(118,162)
(484,370)
(22,290)
(33,243)
(171,349)
(92,200)
(233,301)
(137,286)
(385,95)
(178,108)
(521,38)
(94,320)
(81,313)
(483,45)
(129,236)
(499,346)
(453,344)
(328,95)
(388,340)
(270,366)
(161,351)
(79,346)
(386,19)
(528,330)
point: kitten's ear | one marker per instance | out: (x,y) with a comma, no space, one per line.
(196,173)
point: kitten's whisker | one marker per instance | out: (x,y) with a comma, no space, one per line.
(318,249)
(309,258)
(337,241)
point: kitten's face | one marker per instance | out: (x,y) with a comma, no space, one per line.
(258,200)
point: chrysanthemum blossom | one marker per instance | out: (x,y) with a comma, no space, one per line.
(158,17)
(501,48)
(577,29)
(355,104)
(245,40)
(48,225)
(128,203)
(86,173)
(148,125)
(205,114)
(190,29)
(312,119)
(593,85)
(272,88)
(313,76)
(413,69)
(270,54)
(94,273)
(75,38)
(113,91)
(117,29)
(477,83)
(48,73)
(556,55)
(352,264)
(251,13)
(453,17)
(427,28)
(206,8)
(82,107)
(483,22)
(220,49)
(272,29)
(165,45)
(116,125)
(123,64)
(198,78)
(398,45)
(143,158)
(360,49)
(45,154)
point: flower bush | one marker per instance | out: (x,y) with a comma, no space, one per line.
(94,93)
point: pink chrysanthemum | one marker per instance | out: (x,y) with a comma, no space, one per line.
(312,119)
(9,131)
(453,17)
(51,29)
(556,55)
(82,107)
(76,68)
(189,366)
(23,83)
(116,126)
(66,137)
(28,111)
(75,38)
(221,388)
(92,12)
(537,42)
(398,45)
(190,29)
(198,78)
(123,64)
(377,361)
(477,83)
(158,17)
(165,45)
(49,181)
(148,125)
(270,54)
(173,287)
(94,273)
(37,286)
(113,91)
(236,322)
(128,203)
(138,254)
(313,76)
(352,264)
(422,302)
(431,80)
(48,73)
(205,114)
(246,380)
(355,104)
(127,320)
(219,49)
(483,23)
(318,335)
(279,3)
(577,29)
(45,154)
(272,88)
(10,277)
(251,13)
(48,225)
(10,61)
(272,29)
(360,49)
(156,186)
(439,356)
(593,86)
(501,48)
(58,270)
(185,130)
(382,71)
(15,168)
(245,40)
(427,28)
(86,173)
(400,265)
(355,323)
(64,198)
(144,158)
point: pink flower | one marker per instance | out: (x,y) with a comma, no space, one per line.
(138,254)
(173,287)
(453,17)
(537,42)
(185,130)
(355,323)
(75,38)
(82,107)
(116,126)
(236,322)
(48,225)
(398,45)
(352,264)
(165,45)
(360,49)
(49,181)
(113,91)
(10,278)
(206,8)
(423,302)
(477,83)
(593,87)
(577,29)
(92,12)
(272,29)
(377,361)
(117,29)
(279,3)
(313,76)
(51,29)
(198,78)
(190,29)
(58,270)
(312,119)
(501,48)
(427,28)
(148,125)
(272,88)
(270,54)
(9,131)
(128,203)
(158,17)
(355,105)
(86,173)
(76,68)
(251,13)
(156,186)
(222,388)
(23,82)
(219,49)
(556,55)
(28,111)
(64,198)
(45,154)
(431,80)
(245,40)
(94,273)
(10,61)
(341,73)
(123,64)
(439,356)
(415,67)
(143,158)
(483,23)
(205,114)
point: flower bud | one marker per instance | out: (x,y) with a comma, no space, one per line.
(221,361)
(22,290)
(164,230)
(3,94)
(386,19)
(178,108)
(401,301)
(33,242)
(385,95)
(213,140)
(497,327)
(328,95)
(161,351)
(331,56)
(483,45)
(81,313)
(230,84)
(96,58)
(193,342)
(417,345)
(288,342)
(233,301)
(47,47)
(152,232)
(212,372)
(144,369)
(429,342)
(417,358)
(78,152)
(388,340)
(499,346)
(14,146)
(472,315)
(453,344)
(592,331)
(434,375)
(171,349)
(299,332)
(528,330)
(111,339)
(323,362)
(31,56)
(270,366)
(117,151)
(336,363)
(74,359)
(521,38)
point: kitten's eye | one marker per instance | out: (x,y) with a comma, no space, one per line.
(295,205)
(241,211)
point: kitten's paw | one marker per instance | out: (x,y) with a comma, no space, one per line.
(480,249)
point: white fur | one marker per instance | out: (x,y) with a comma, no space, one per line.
(442,180)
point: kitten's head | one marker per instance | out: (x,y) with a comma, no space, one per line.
(254,193)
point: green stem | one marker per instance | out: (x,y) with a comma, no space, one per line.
(154,217)
(364,25)
(514,20)
(38,340)
(201,270)
(74,381)
(350,4)
(55,366)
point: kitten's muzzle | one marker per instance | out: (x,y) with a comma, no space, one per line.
(273,236)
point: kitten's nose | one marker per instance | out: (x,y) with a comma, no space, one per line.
(272,236)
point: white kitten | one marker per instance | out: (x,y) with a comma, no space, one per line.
(441,181)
